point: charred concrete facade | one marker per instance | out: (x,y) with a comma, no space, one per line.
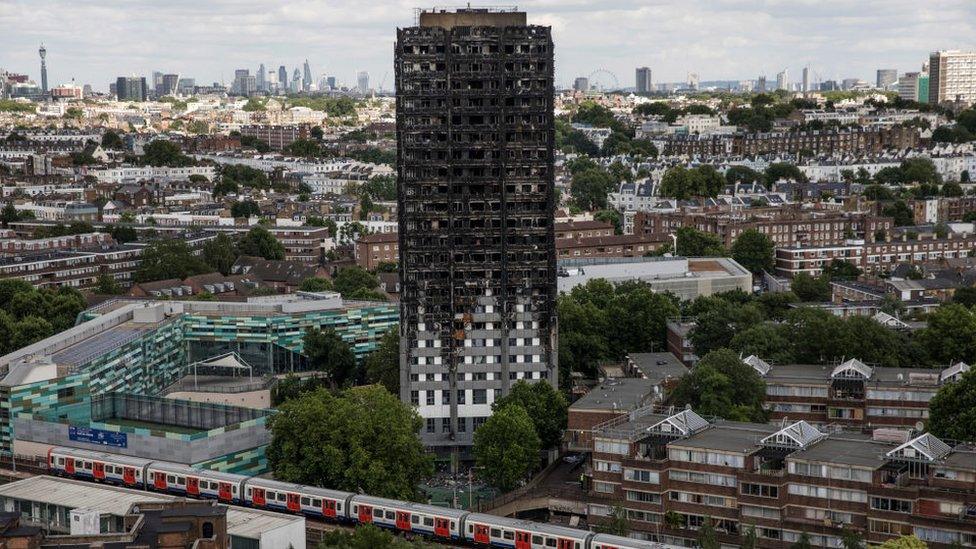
(475,134)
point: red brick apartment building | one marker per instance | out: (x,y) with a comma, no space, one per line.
(852,394)
(277,137)
(373,249)
(786,228)
(669,472)
(870,141)
(303,244)
(872,257)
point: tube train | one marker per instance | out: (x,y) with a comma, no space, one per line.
(439,523)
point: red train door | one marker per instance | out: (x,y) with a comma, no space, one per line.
(402,520)
(98,470)
(442,528)
(69,465)
(564,544)
(523,540)
(293,503)
(365,513)
(223,491)
(193,486)
(129,475)
(481,534)
(329,508)
(258,496)
(159,480)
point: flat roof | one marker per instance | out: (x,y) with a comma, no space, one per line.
(848,449)
(76,494)
(622,394)
(101,343)
(728,436)
(657,367)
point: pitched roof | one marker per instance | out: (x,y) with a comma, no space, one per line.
(798,435)
(684,423)
(926,446)
(852,368)
(758,364)
(952,373)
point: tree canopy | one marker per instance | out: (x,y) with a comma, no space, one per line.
(328,353)
(258,242)
(506,447)
(28,314)
(382,366)
(362,439)
(220,253)
(754,251)
(722,385)
(546,406)
(169,258)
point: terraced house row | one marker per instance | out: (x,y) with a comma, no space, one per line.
(668,473)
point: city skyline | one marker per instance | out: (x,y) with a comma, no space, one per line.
(97,43)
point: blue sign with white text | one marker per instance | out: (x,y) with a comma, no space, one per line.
(98,436)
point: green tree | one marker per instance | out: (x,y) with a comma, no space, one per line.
(677,183)
(781,170)
(877,192)
(29,330)
(750,540)
(616,523)
(767,341)
(722,385)
(920,170)
(950,334)
(902,214)
(952,411)
(351,280)
(161,152)
(754,251)
(360,440)
(810,288)
(245,208)
(506,447)
(741,174)
(9,214)
(380,188)
(803,542)
(258,242)
(303,147)
(708,181)
(965,296)
(715,327)
(838,269)
(112,140)
(695,243)
(316,285)
(220,253)
(123,234)
(707,538)
(952,189)
(589,189)
(328,353)
(382,366)
(851,539)
(317,133)
(546,406)
(107,285)
(169,258)
(904,542)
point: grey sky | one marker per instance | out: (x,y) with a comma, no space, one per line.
(95,41)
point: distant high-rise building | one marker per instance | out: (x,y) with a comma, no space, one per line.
(643,80)
(761,84)
(157,83)
(261,79)
(296,81)
(829,85)
(885,78)
(170,84)
(43,53)
(581,84)
(693,80)
(186,86)
(952,76)
(282,79)
(131,88)
(477,249)
(307,77)
(362,80)
(806,79)
(849,83)
(914,86)
(783,80)
(331,81)
(244,84)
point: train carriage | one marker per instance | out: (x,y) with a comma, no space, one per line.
(98,466)
(492,531)
(403,516)
(297,498)
(193,482)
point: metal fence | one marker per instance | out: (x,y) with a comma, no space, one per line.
(162,411)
